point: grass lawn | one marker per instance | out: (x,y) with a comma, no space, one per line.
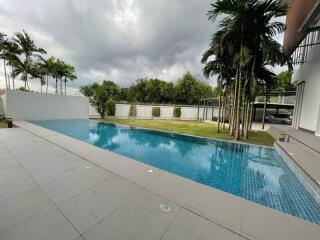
(3,124)
(194,128)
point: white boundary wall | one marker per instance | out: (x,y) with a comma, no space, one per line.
(166,111)
(21,105)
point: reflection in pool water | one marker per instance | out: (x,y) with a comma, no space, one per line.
(255,173)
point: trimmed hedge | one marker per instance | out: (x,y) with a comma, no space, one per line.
(177,112)
(133,111)
(156,111)
(226,119)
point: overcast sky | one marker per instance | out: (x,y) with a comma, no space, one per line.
(119,40)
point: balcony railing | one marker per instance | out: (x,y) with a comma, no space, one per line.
(300,55)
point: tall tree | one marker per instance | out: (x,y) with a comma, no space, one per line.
(247,28)
(28,48)
(101,95)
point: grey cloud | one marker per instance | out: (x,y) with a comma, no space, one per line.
(120,40)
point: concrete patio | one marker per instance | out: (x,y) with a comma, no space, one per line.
(55,187)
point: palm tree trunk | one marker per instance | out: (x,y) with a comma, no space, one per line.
(65,86)
(248,114)
(56,85)
(5,72)
(61,91)
(41,79)
(219,113)
(244,111)
(9,84)
(47,84)
(237,135)
(27,84)
(234,100)
(12,79)
(224,103)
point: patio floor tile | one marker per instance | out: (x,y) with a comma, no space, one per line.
(189,226)
(69,186)
(133,221)
(142,174)
(14,180)
(220,207)
(48,225)
(256,222)
(90,207)
(22,206)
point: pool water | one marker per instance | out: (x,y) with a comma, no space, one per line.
(258,174)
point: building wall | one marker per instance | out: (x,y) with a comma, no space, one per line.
(21,105)
(308,78)
(298,11)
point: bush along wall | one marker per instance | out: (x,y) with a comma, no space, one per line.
(156,111)
(111,108)
(133,111)
(177,112)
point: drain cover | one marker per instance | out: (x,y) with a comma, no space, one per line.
(165,208)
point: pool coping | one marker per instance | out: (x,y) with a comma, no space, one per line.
(215,205)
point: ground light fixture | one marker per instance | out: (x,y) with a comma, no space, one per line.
(165,208)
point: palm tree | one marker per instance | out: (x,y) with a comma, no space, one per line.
(49,67)
(38,72)
(248,28)
(3,45)
(69,75)
(11,54)
(28,48)
(23,68)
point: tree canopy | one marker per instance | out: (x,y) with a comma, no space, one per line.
(187,90)
(241,51)
(27,61)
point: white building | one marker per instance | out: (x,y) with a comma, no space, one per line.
(302,42)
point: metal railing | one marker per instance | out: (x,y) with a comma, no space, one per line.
(300,55)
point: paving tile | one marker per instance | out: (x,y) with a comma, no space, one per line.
(71,185)
(14,180)
(50,170)
(141,174)
(189,226)
(129,189)
(90,207)
(133,221)
(8,162)
(48,225)
(22,206)
(220,207)
(5,155)
(262,223)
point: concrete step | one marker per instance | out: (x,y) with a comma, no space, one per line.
(306,161)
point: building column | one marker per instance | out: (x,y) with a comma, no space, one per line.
(296,104)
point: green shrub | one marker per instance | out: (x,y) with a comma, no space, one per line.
(177,112)
(226,119)
(156,112)
(111,107)
(133,111)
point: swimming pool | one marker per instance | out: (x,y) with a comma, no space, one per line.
(258,174)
